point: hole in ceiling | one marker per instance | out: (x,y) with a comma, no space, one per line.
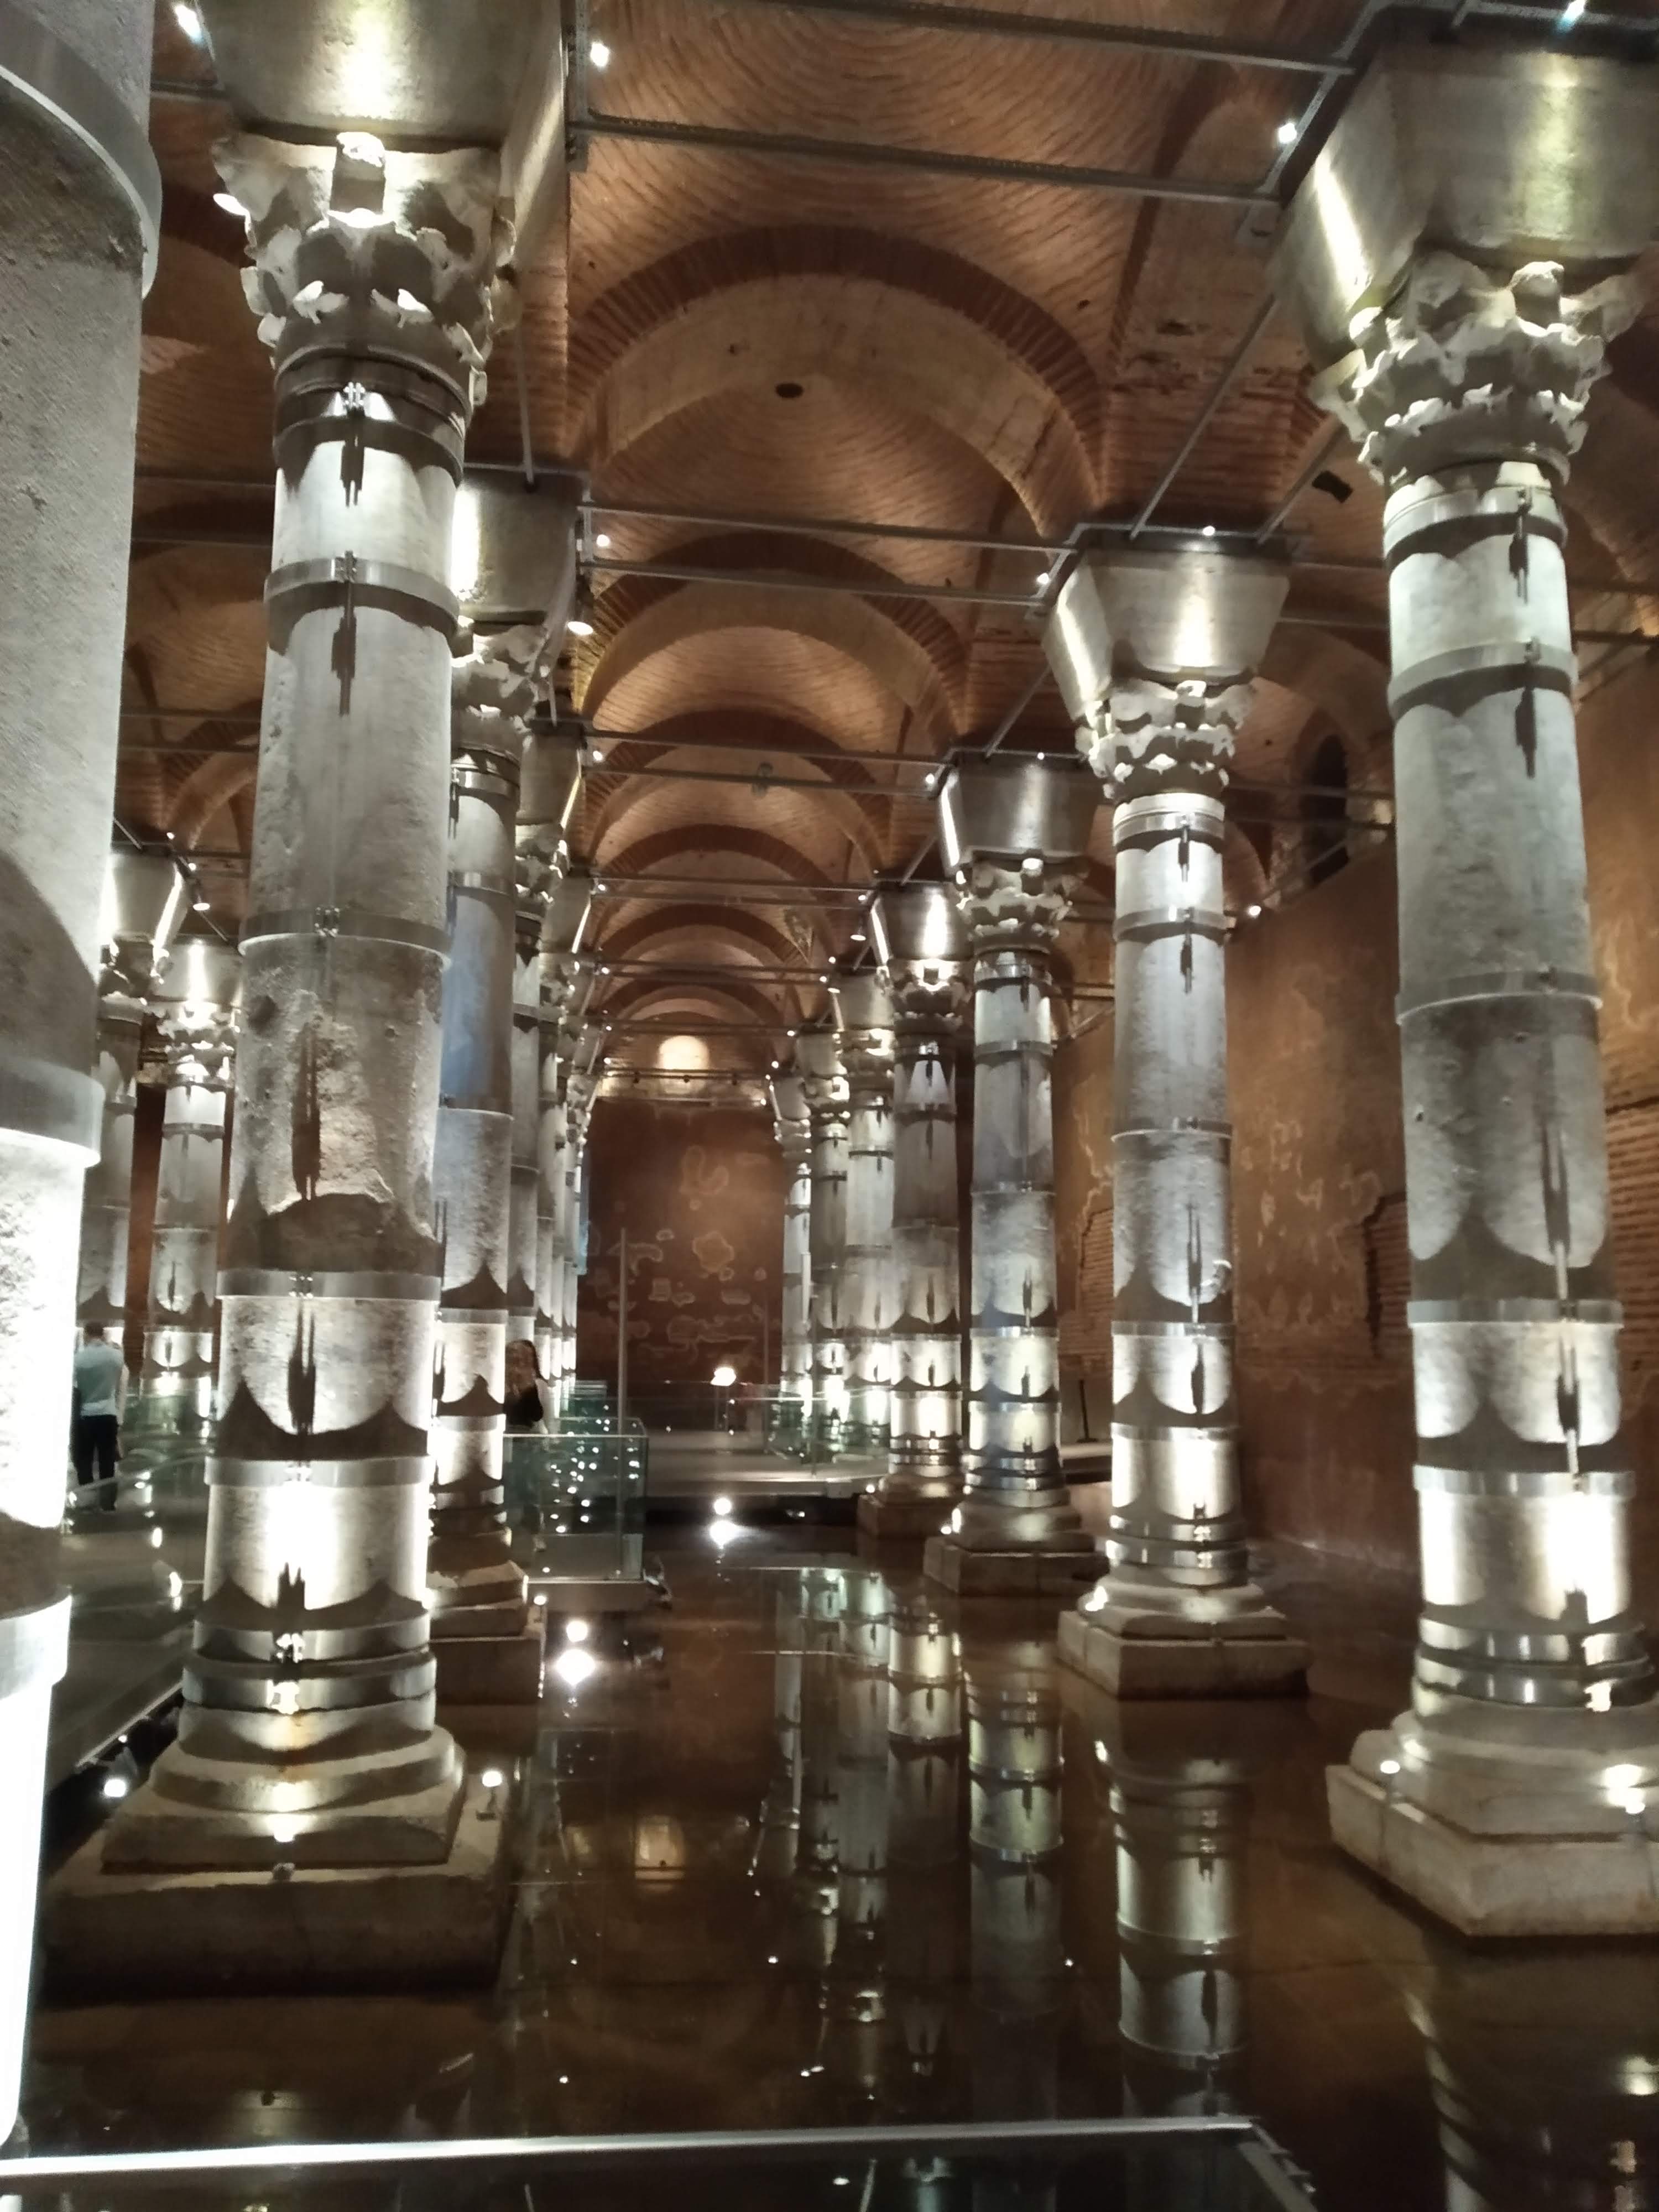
(789,391)
(1333,486)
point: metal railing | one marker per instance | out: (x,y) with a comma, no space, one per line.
(575,1499)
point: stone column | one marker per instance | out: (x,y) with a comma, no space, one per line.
(855,2031)
(823,1078)
(779,1824)
(793,1130)
(195,1007)
(143,901)
(815,1887)
(581,1092)
(863,1017)
(549,786)
(79,217)
(488,1645)
(1014,833)
(924,1774)
(307,1733)
(1506,1799)
(567,984)
(1156,654)
(922,945)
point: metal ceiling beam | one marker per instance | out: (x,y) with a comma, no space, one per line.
(804,525)
(674,572)
(856,152)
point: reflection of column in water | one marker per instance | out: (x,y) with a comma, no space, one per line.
(859,2000)
(818,1843)
(1180,1814)
(774,1854)
(1014,1875)
(924,1789)
(1545,2073)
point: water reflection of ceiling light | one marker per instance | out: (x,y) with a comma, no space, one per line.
(577,1632)
(573,1665)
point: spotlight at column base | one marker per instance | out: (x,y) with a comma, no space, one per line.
(283,1926)
(1136,1651)
(971,1571)
(1509,1822)
(906,1516)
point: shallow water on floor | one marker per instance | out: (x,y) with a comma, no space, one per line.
(817,1847)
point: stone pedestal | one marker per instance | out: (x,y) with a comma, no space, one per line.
(901,1518)
(1515,1797)
(79,225)
(1156,654)
(1014,832)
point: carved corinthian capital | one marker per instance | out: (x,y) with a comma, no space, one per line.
(358,250)
(930,998)
(1466,366)
(1153,732)
(1016,906)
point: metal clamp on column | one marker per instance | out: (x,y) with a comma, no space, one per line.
(345,580)
(361,407)
(1147,924)
(1500,983)
(71,97)
(1201,818)
(333,921)
(1509,663)
(329,1283)
(478,771)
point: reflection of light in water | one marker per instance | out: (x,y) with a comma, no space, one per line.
(573,1665)
(722,1508)
(722,1533)
(723,1378)
(577,1632)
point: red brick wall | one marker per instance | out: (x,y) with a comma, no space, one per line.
(701,1190)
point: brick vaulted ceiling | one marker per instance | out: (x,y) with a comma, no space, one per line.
(739,335)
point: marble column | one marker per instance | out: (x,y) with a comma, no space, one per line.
(1507,1798)
(924,1851)
(487,1647)
(567,984)
(143,901)
(79,218)
(792,1127)
(864,1018)
(921,943)
(582,1095)
(823,1079)
(1014,832)
(1156,654)
(195,1009)
(549,786)
(307,1735)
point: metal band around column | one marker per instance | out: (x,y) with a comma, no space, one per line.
(51,78)
(327,1283)
(39,1098)
(1500,983)
(344,922)
(1549,666)
(1147,924)
(342,577)
(324,404)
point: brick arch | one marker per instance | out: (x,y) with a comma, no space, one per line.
(689,837)
(209,785)
(664,615)
(665,936)
(861,816)
(1344,683)
(753,932)
(756,306)
(826,822)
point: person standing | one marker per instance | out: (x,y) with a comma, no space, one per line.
(99,1376)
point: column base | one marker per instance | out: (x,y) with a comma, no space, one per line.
(1515,1821)
(971,1571)
(1134,1652)
(901,1516)
(107,1930)
(502,1669)
(179,1827)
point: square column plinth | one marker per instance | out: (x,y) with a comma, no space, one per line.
(503,1669)
(1154,1653)
(896,1519)
(105,1929)
(1512,1823)
(969,1571)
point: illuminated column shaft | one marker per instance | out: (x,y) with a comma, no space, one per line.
(825,1084)
(567,984)
(1504,1799)
(552,1210)
(547,797)
(473,1583)
(866,1284)
(106,1212)
(925,1450)
(183,1268)
(924,1770)
(1013,1494)
(793,1130)
(309,1692)
(583,1090)
(862,1785)
(524,1210)
(68,394)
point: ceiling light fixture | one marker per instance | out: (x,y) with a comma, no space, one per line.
(1208,529)
(1287,134)
(579,626)
(189,22)
(602,542)
(231,205)
(599,53)
(1045,580)
(1570,14)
